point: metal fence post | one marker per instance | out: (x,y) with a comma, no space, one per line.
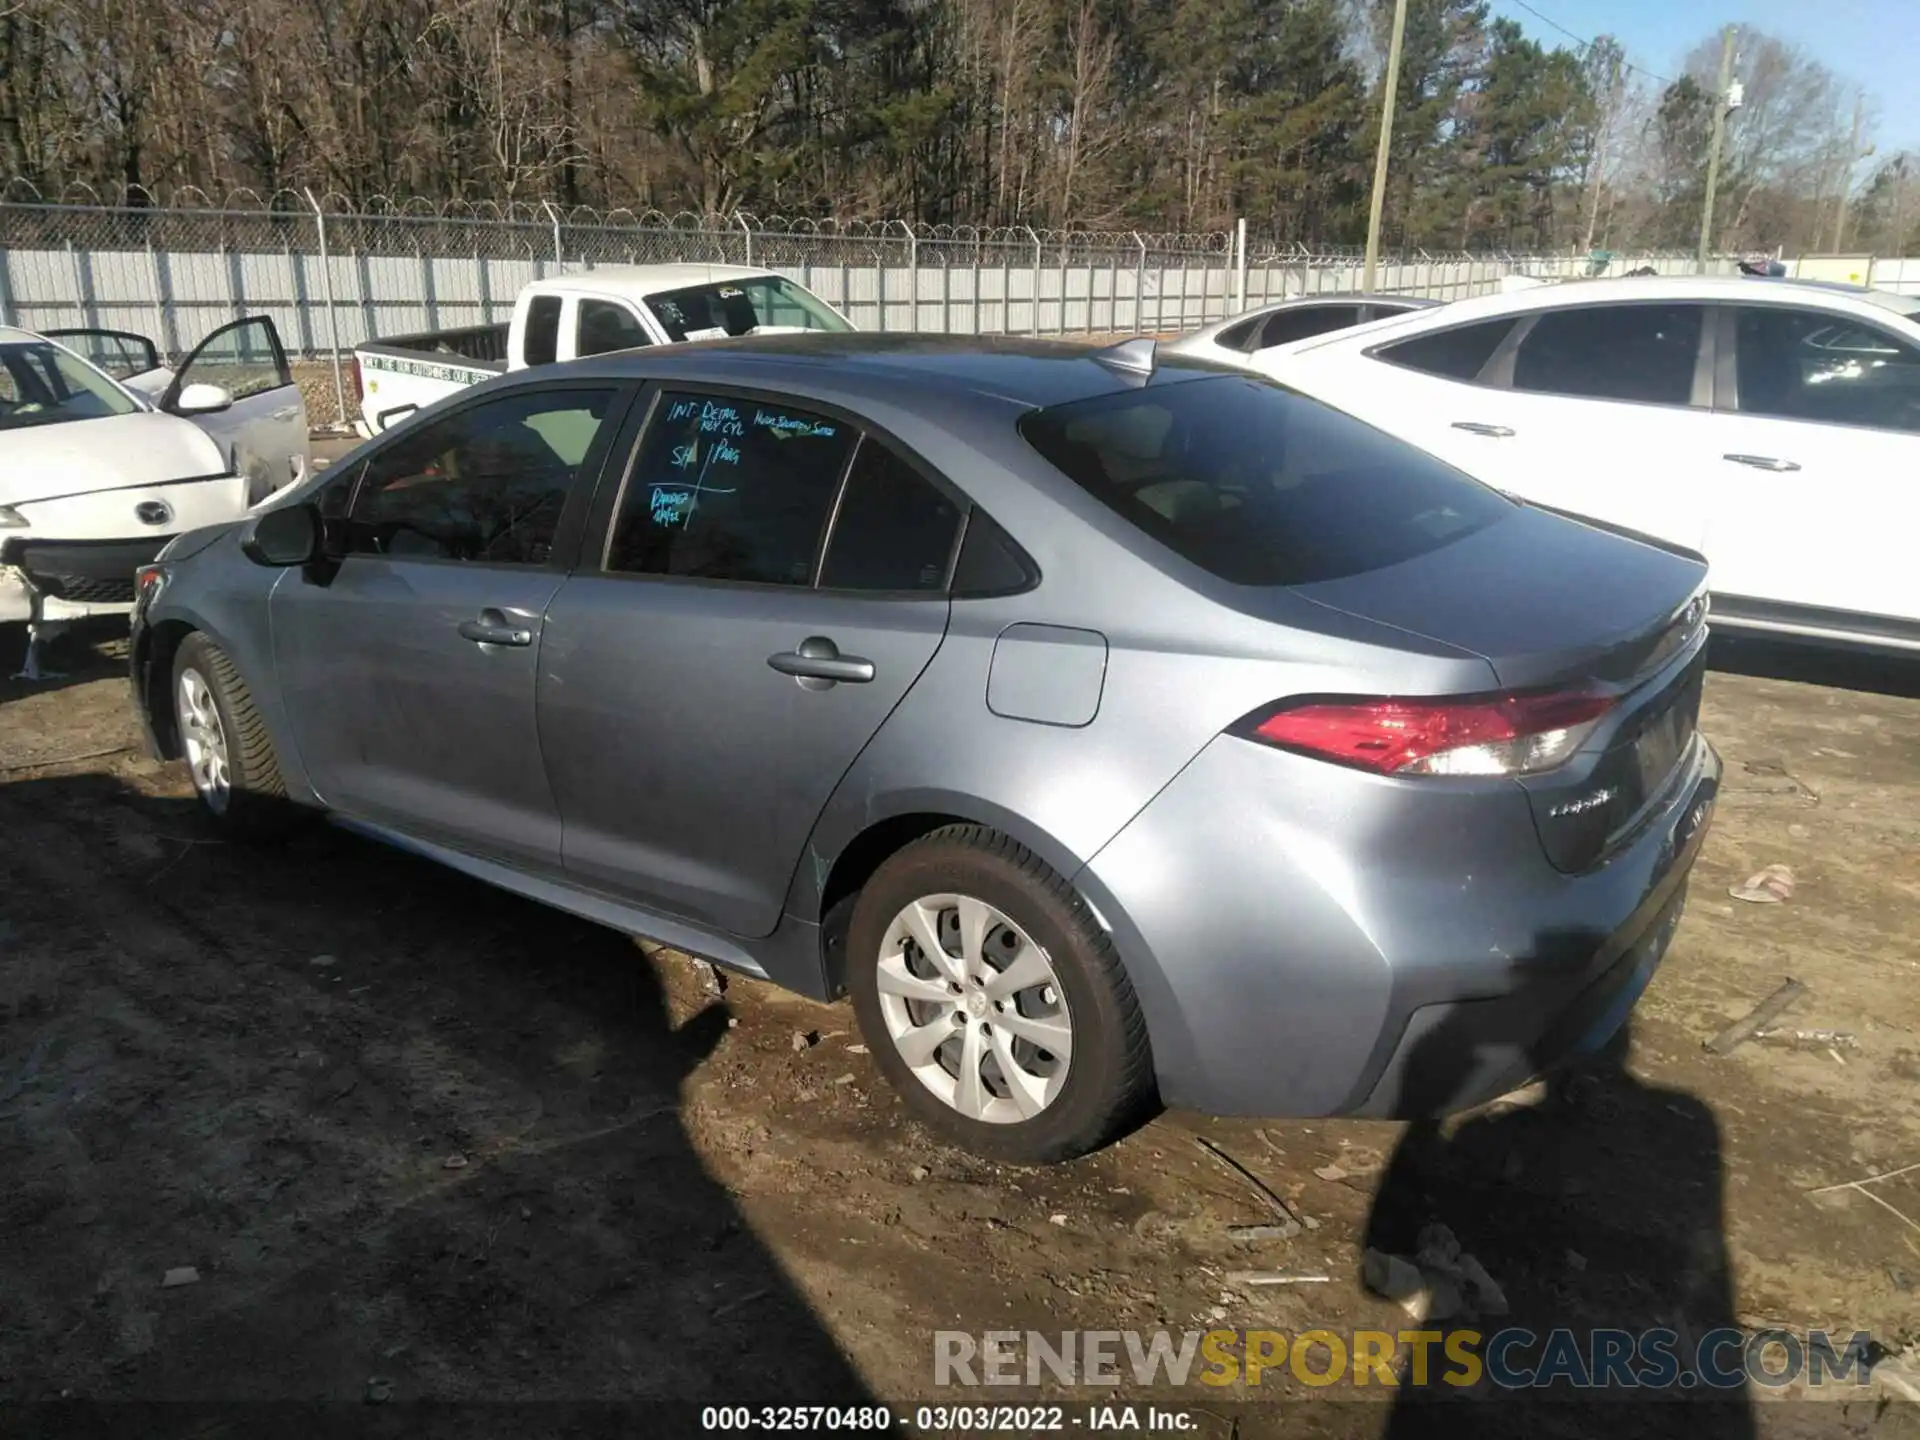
(333,314)
(6,289)
(559,256)
(913,276)
(1240,265)
(1139,286)
(1034,327)
(747,231)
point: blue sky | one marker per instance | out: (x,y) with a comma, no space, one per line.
(1874,43)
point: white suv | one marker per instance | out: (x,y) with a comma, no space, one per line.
(1772,425)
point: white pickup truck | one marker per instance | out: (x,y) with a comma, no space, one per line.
(567,316)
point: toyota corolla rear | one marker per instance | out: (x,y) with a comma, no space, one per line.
(1398,891)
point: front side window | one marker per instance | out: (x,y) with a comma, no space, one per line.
(1260,485)
(486,485)
(1803,365)
(730,489)
(893,529)
(243,359)
(1612,352)
(741,307)
(41,384)
(1457,354)
(604,326)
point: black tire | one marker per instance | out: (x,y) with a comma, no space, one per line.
(255,805)
(1108,1085)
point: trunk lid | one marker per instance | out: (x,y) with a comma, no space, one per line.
(1553,601)
(1542,598)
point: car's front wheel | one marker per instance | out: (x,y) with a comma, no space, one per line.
(225,744)
(993,1000)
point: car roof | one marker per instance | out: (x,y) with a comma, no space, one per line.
(13,335)
(1298,302)
(994,370)
(646,279)
(1746,289)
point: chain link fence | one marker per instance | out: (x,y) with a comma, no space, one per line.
(333,275)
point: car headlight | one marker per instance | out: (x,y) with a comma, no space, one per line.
(11,519)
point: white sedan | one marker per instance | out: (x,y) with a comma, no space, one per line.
(96,473)
(1772,425)
(1238,336)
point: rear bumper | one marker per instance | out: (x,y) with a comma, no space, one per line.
(1309,940)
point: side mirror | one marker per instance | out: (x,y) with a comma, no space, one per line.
(283,538)
(201,400)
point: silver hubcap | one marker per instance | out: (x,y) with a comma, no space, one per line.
(204,739)
(975,1009)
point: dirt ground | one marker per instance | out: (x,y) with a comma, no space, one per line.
(421,1140)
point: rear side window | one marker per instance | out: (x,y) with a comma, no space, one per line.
(1806,365)
(1613,352)
(729,489)
(1457,354)
(1241,336)
(542,342)
(1308,320)
(893,530)
(1259,485)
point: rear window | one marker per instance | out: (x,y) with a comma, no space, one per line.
(1259,485)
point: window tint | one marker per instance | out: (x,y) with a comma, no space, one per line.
(1308,320)
(605,326)
(1802,365)
(1241,336)
(729,489)
(1259,485)
(486,485)
(1457,354)
(990,563)
(893,531)
(1613,352)
(542,341)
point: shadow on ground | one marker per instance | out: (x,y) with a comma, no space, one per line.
(1596,1255)
(1816,665)
(418,1139)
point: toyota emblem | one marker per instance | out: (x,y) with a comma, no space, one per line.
(153,512)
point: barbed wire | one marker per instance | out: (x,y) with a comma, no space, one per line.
(514,227)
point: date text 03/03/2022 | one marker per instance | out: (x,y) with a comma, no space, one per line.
(948,1419)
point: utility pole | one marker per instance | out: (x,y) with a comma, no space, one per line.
(1390,85)
(1854,156)
(1719,139)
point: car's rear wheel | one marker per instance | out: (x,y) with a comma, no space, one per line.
(993,1000)
(225,744)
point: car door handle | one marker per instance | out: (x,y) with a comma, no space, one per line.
(819,659)
(1763,462)
(493,628)
(291,412)
(1480,427)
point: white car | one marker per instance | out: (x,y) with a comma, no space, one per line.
(1232,340)
(565,317)
(1772,425)
(97,473)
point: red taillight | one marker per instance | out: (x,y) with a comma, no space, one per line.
(1478,735)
